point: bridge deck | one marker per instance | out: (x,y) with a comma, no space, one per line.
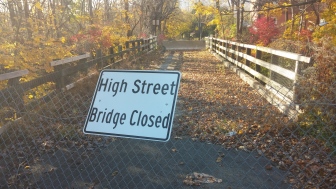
(184,45)
(222,127)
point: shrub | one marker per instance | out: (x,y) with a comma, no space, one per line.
(318,94)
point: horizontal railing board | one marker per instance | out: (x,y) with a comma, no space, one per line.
(70,59)
(278,69)
(284,105)
(12,93)
(285,99)
(275,85)
(14,74)
(285,54)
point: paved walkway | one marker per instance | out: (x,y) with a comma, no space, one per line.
(130,163)
(146,164)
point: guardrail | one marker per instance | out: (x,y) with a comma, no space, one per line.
(13,95)
(278,71)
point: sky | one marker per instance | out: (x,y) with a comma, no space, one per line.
(188,4)
(185,4)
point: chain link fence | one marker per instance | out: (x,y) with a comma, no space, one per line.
(225,135)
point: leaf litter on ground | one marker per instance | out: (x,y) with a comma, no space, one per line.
(221,108)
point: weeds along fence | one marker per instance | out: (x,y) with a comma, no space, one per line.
(18,97)
(275,70)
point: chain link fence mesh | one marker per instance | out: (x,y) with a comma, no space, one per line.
(225,135)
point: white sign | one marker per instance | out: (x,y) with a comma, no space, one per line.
(134,104)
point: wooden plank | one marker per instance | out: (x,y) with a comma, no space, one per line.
(285,54)
(71,59)
(278,69)
(278,87)
(14,74)
(284,105)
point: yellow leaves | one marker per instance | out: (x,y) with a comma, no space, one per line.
(36,39)
(328,29)
(38,6)
(204,10)
(178,24)
(277,12)
(63,39)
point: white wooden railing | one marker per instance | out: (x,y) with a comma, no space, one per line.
(251,59)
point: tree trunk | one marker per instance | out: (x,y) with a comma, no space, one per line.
(27,15)
(238,20)
(107,11)
(317,14)
(293,18)
(12,14)
(90,11)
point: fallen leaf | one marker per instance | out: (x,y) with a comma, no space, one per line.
(196,179)
(115,173)
(268,167)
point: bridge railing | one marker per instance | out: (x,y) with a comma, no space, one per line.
(65,76)
(277,70)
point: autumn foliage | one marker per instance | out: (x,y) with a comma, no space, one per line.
(263,31)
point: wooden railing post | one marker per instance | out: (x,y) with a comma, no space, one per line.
(258,56)
(133,47)
(60,81)
(120,51)
(86,67)
(146,46)
(127,48)
(142,42)
(222,49)
(138,46)
(155,41)
(295,82)
(99,56)
(112,60)
(233,47)
(150,43)
(237,56)
(274,61)
(226,49)
(17,97)
(248,52)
